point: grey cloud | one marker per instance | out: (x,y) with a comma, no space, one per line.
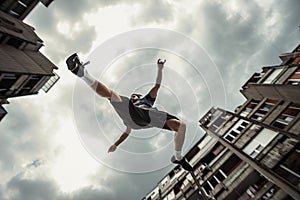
(70,10)
(60,46)
(12,137)
(20,188)
(227,39)
(132,186)
(75,9)
(290,32)
(91,193)
(154,11)
(7,158)
(26,189)
(238,45)
(119,186)
(45,21)
(25,132)
(1,193)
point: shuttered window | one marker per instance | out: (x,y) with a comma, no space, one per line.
(294,79)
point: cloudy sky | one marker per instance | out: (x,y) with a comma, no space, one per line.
(53,146)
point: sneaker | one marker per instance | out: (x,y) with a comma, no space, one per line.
(183,162)
(75,66)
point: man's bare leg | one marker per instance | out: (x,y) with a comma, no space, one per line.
(100,88)
(78,68)
(105,92)
(180,128)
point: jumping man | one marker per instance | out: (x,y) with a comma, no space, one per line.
(137,112)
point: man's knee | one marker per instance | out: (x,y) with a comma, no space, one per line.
(115,97)
(176,125)
(182,126)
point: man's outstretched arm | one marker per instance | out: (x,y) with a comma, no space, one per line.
(154,90)
(113,147)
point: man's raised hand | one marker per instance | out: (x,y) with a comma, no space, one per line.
(160,63)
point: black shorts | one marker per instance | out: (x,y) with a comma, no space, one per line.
(141,118)
(169,117)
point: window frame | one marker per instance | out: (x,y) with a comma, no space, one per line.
(234,129)
(272,76)
(287,113)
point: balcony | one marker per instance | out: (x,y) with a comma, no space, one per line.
(278,92)
(254,79)
(50,83)
(214,119)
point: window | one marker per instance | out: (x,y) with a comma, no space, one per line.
(250,106)
(294,79)
(270,193)
(30,85)
(218,150)
(278,152)
(232,163)
(14,42)
(259,142)
(14,14)
(214,154)
(170,196)
(287,116)
(256,77)
(296,61)
(26,2)
(222,173)
(244,124)
(218,119)
(34,79)
(19,8)
(2,38)
(264,109)
(235,130)
(164,182)
(220,176)
(50,82)
(207,187)
(172,174)
(290,167)
(256,151)
(192,153)
(7,80)
(154,194)
(184,183)
(273,75)
(214,180)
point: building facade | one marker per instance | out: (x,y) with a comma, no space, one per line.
(180,184)
(23,69)
(253,152)
(20,8)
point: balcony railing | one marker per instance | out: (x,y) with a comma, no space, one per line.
(50,83)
